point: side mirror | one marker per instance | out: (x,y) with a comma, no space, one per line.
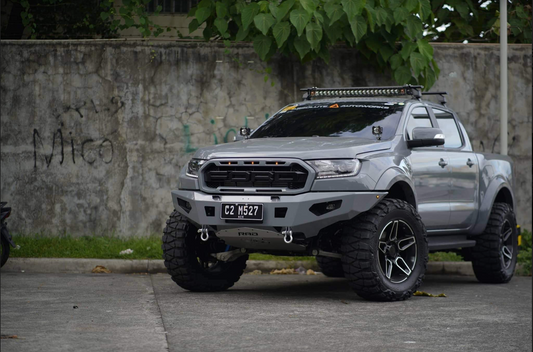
(426,137)
(245,131)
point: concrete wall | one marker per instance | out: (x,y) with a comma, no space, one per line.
(93,133)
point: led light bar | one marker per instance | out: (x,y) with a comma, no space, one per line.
(353,92)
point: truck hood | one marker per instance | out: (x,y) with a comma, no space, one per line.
(307,148)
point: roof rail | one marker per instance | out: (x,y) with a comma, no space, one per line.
(314,92)
(442,96)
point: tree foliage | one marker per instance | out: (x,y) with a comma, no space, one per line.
(390,34)
(479,21)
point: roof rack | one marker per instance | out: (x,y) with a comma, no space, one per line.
(442,96)
(314,92)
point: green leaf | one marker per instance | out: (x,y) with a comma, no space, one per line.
(370,17)
(202,14)
(302,46)
(222,9)
(318,16)
(411,5)
(263,6)
(425,48)
(402,75)
(407,49)
(263,22)
(309,5)
(248,14)
(221,24)
(193,25)
(333,32)
(142,20)
(333,11)
(241,34)
(358,25)
(353,7)
(348,35)
(313,32)
(395,61)
(262,45)
(436,68)
(281,32)
(424,9)
(381,16)
(207,33)
(462,8)
(373,43)
(386,52)
(430,78)
(324,54)
(414,26)
(104,15)
(281,11)
(418,62)
(400,14)
(129,21)
(299,19)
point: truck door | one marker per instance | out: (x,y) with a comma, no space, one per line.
(464,171)
(430,174)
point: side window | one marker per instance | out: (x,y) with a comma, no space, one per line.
(452,137)
(419,118)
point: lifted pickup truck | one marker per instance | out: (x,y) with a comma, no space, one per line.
(365,180)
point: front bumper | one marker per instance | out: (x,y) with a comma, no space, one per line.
(298,215)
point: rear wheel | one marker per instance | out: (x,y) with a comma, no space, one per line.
(494,256)
(329,266)
(188,259)
(385,251)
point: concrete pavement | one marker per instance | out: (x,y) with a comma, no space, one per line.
(117,312)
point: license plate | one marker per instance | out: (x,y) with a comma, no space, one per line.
(242,211)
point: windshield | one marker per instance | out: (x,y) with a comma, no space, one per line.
(347,119)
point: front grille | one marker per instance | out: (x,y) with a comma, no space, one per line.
(270,175)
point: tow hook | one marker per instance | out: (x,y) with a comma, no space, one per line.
(287,235)
(204,233)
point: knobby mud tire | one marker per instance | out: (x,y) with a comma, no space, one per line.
(360,238)
(331,267)
(181,248)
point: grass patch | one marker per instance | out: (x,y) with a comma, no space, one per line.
(109,247)
(101,247)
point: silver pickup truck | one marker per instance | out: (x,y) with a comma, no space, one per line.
(368,180)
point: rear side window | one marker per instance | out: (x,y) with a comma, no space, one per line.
(452,137)
(419,118)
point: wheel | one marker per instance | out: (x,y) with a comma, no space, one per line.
(329,266)
(385,251)
(496,250)
(189,262)
(5,250)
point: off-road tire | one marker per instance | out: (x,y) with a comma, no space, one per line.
(5,251)
(181,247)
(360,241)
(331,267)
(487,260)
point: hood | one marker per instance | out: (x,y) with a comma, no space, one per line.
(306,148)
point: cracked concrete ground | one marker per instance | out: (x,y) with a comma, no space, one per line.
(116,312)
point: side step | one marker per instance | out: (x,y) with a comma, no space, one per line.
(437,243)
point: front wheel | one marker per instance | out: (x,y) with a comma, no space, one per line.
(189,261)
(385,251)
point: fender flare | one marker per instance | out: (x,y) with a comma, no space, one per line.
(392,176)
(487,201)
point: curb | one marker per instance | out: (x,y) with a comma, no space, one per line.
(152,266)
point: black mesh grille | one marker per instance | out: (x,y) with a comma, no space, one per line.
(291,176)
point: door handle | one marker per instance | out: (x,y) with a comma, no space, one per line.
(470,163)
(442,163)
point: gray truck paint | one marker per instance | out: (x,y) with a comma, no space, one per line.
(451,196)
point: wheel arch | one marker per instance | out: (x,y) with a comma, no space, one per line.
(499,191)
(398,186)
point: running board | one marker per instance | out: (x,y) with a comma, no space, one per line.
(437,243)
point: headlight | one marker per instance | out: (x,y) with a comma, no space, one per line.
(193,167)
(335,168)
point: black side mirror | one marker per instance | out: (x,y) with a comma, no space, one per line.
(426,137)
(245,131)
